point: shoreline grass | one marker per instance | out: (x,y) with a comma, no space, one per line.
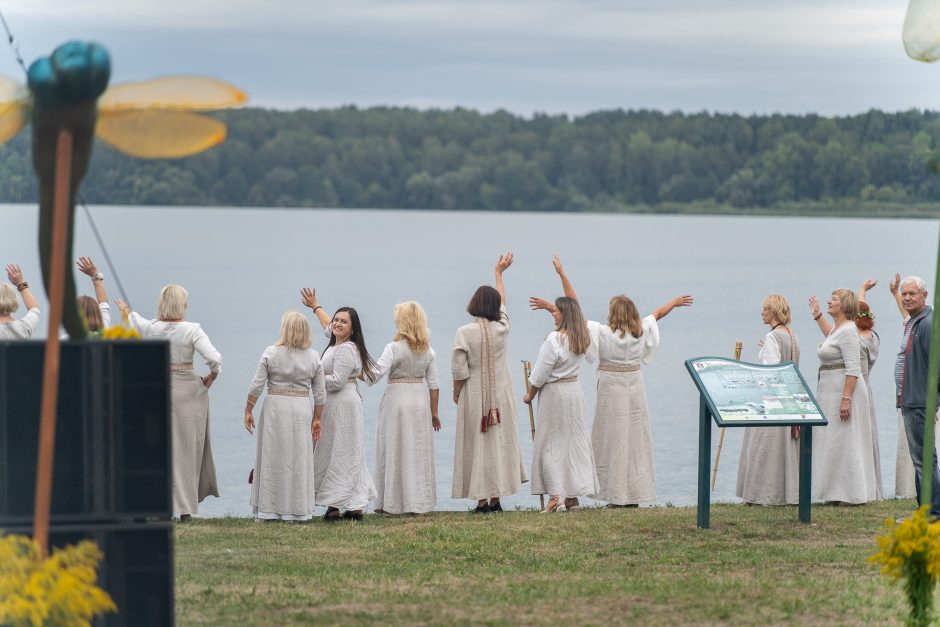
(756,565)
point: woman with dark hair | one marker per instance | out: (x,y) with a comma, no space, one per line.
(620,435)
(96,311)
(341,478)
(562,459)
(487,459)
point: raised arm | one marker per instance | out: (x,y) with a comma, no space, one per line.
(678,301)
(565,283)
(820,319)
(87,266)
(309,298)
(16,278)
(867,285)
(536,303)
(501,265)
(893,287)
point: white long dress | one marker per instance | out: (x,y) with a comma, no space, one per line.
(769,465)
(621,438)
(284,477)
(341,476)
(843,467)
(562,459)
(22,328)
(869,356)
(404,438)
(193,466)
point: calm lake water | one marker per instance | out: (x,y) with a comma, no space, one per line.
(244,267)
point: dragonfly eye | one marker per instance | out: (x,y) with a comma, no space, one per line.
(76,71)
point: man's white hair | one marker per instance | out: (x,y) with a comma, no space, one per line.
(916,280)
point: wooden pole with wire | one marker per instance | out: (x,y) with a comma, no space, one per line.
(721,438)
(527,370)
(50,378)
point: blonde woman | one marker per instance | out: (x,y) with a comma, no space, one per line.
(193,466)
(769,465)
(562,458)
(844,469)
(11,328)
(282,486)
(404,438)
(621,438)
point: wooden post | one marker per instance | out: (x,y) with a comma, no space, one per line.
(527,369)
(50,379)
(721,438)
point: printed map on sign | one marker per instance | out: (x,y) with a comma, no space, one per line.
(747,392)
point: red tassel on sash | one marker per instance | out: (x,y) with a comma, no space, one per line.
(490,419)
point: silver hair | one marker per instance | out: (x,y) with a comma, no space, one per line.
(916,280)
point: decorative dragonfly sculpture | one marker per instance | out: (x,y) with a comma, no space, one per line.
(152,119)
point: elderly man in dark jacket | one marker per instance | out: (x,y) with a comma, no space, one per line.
(912,395)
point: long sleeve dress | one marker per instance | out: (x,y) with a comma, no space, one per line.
(769,466)
(562,458)
(843,467)
(21,329)
(284,476)
(870,346)
(621,438)
(404,438)
(341,476)
(486,464)
(193,466)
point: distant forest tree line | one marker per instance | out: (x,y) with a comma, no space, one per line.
(461,159)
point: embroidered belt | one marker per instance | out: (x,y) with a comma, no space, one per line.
(573,379)
(610,367)
(182,365)
(406,380)
(839,366)
(351,380)
(297,393)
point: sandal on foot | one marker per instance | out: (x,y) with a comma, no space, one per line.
(554,505)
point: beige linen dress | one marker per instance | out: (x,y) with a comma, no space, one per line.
(404,437)
(21,329)
(193,466)
(485,464)
(869,356)
(284,477)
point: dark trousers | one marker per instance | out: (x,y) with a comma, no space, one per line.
(914,425)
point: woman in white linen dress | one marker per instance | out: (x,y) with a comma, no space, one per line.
(404,439)
(342,480)
(843,465)
(282,488)
(562,458)
(769,465)
(620,435)
(487,458)
(193,466)
(11,328)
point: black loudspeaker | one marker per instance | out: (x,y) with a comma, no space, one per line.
(137,570)
(112,448)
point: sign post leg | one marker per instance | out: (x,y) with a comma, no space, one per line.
(704,457)
(806,473)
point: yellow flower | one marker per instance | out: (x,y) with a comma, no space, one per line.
(120,332)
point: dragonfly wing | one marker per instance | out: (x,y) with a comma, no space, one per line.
(159,133)
(194,93)
(13,96)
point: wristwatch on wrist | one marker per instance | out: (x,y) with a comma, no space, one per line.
(97,276)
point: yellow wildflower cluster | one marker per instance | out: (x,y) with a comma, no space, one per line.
(913,542)
(58,590)
(119,332)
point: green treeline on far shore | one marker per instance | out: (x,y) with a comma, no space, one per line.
(874,163)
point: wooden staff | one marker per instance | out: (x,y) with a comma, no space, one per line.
(721,439)
(527,369)
(50,378)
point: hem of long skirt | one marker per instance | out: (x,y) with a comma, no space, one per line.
(622,500)
(272,516)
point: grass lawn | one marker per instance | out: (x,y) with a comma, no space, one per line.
(756,565)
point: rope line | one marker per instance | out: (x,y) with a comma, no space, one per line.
(15,47)
(104,249)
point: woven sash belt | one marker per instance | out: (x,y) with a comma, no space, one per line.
(183,365)
(573,379)
(609,367)
(832,367)
(406,380)
(298,393)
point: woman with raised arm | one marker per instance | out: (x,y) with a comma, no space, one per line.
(844,468)
(487,458)
(193,466)
(11,328)
(342,480)
(623,445)
(769,465)
(404,438)
(562,459)
(96,311)
(283,477)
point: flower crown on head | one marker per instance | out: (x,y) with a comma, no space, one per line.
(865,314)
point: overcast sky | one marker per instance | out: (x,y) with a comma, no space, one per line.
(558,56)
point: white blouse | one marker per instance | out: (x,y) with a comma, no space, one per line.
(105,310)
(627,350)
(399,360)
(555,361)
(21,329)
(842,345)
(186,339)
